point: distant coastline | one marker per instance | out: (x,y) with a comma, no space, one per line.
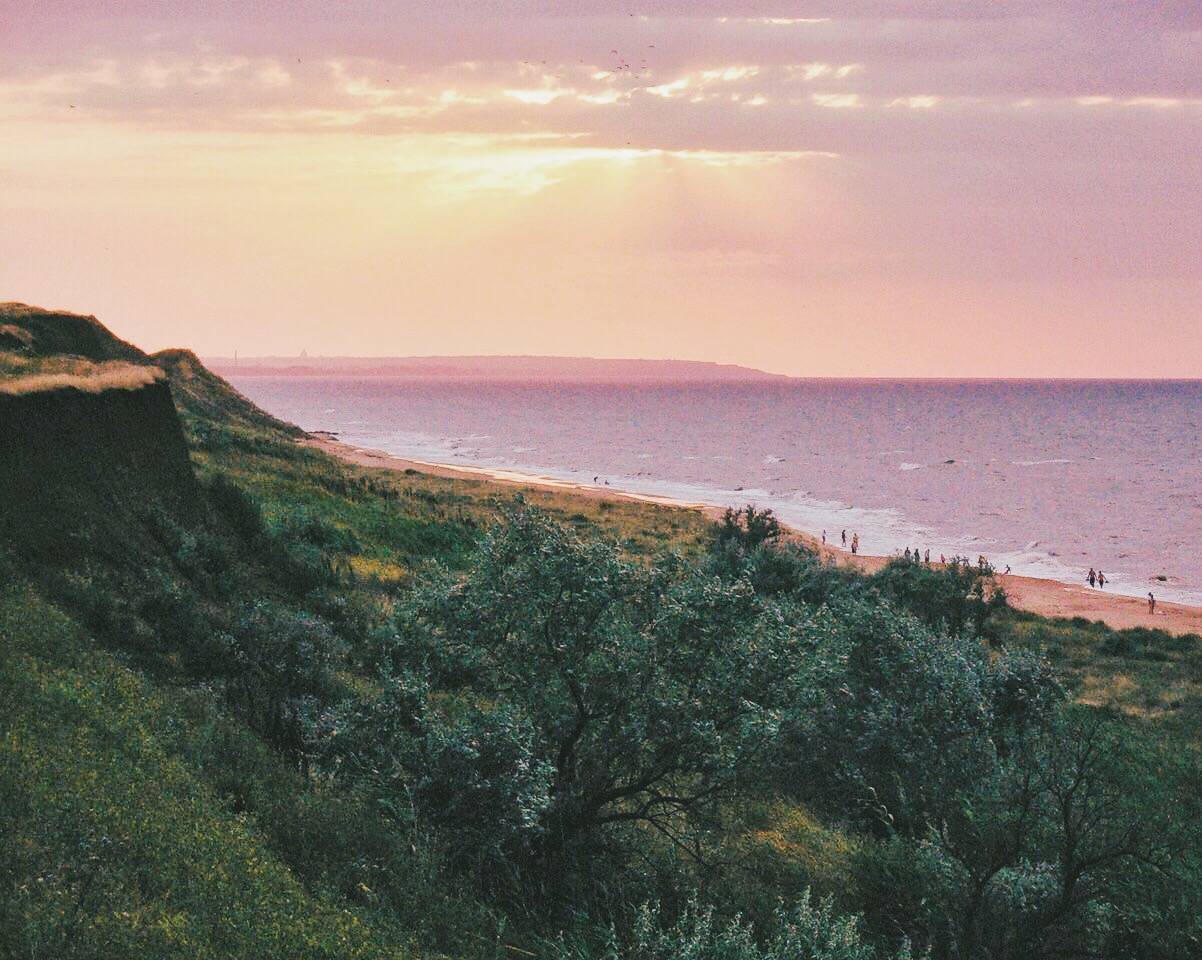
(497,369)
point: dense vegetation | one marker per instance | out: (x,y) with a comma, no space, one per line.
(338,712)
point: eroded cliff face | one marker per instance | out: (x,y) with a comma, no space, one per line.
(88,469)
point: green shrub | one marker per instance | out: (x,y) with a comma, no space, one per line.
(892,719)
(957,597)
(280,666)
(810,931)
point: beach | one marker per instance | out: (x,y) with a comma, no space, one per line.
(1046,597)
(1019,472)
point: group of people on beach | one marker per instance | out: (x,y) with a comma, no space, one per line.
(1096,578)
(855,541)
(921,556)
(982,564)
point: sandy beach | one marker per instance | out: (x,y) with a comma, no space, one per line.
(1050,598)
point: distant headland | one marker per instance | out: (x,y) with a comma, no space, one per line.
(498,368)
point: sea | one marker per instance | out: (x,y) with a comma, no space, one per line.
(1049,478)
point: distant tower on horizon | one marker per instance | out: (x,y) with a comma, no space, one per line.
(304,354)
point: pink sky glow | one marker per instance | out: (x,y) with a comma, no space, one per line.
(863,188)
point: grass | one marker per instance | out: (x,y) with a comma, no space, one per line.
(397,520)
(1147,674)
(111,842)
(112,375)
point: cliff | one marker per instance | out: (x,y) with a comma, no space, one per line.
(80,469)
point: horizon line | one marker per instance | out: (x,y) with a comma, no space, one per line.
(760,372)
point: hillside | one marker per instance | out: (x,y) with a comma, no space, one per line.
(55,333)
(202,395)
(34,341)
(255,702)
(150,804)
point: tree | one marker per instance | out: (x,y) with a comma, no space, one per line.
(279,664)
(747,528)
(1038,856)
(893,720)
(645,693)
(957,598)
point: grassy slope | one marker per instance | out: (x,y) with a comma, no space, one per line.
(111,842)
(1145,674)
(54,333)
(136,818)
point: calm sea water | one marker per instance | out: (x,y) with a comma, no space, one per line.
(1048,477)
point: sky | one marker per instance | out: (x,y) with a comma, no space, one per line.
(855,188)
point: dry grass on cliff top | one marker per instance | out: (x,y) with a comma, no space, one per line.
(89,378)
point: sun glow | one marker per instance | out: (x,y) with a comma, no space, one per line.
(584,181)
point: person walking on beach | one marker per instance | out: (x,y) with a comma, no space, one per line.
(1101,580)
(855,543)
(824,538)
(907,554)
(844,538)
(1151,604)
(1092,578)
(927,557)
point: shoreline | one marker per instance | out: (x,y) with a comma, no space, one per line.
(1049,598)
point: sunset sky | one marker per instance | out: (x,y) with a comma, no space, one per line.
(869,188)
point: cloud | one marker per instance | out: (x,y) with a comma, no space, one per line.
(921,102)
(682,73)
(938,146)
(836,101)
(540,97)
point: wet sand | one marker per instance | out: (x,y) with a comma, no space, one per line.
(1050,598)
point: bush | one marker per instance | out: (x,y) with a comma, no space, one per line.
(958,598)
(810,931)
(746,529)
(893,720)
(280,666)
(1144,644)
(480,780)
(636,695)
